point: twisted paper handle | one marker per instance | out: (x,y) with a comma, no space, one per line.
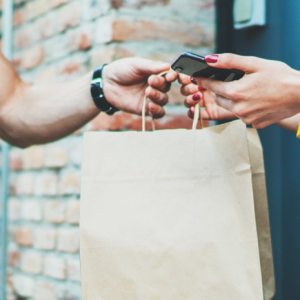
(197,114)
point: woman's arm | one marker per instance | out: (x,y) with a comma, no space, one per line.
(290,124)
(212,111)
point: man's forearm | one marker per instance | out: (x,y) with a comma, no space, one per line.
(41,114)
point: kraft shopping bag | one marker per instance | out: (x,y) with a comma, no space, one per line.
(171,215)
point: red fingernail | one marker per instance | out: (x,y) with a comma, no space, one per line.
(201,89)
(193,80)
(196,97)
(212,58)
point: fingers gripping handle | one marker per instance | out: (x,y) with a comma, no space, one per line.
(144,107)
(197,114)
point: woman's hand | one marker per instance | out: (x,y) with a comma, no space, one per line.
(195,94)
(267,94)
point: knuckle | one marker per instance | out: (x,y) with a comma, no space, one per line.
(229,59)
(228,93)
(239,112)
(164,100)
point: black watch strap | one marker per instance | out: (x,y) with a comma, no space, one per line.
(98,94)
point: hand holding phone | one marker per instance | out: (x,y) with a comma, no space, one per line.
(195,66)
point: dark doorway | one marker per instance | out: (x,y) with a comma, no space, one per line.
(279,40)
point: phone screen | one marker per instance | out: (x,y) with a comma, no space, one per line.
(194,65)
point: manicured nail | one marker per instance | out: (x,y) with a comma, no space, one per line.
(201,89)
(212,58)
(193,80)
(196,97)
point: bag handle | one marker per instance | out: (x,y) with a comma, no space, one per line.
(197,114)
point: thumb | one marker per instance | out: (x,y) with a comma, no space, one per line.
(150,67)
(248,64)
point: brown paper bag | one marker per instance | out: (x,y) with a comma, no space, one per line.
(261,213)
(170,215)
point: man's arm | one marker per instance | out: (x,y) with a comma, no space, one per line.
(40,114)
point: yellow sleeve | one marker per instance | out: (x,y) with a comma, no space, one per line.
(298,133)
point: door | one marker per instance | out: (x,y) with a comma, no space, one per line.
(279,40)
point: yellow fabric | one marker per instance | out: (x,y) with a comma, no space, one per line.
(298,133)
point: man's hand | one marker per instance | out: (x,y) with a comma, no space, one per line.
(32,114)
(195,94)
(125,83)
(267,94)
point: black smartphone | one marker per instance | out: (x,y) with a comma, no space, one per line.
(195,65)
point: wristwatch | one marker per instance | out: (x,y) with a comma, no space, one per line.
(98,94)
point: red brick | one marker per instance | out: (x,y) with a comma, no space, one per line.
(35,8)
(56,157)
(31,262)
(46,184)
(81,38)
(45,26)
(19,17)
(14,209)
(34,157)
(13,258)
(73,67)
(121,52)
(175,122)
(56,48)
(174,32)
(24,236)
(45,238)
(73,212)
(55,212)
(116,3)
(56,3)
(44,291)
(23,37)
(24,184)
(154,2)
(68,240)
(32,57)
(31,210)
(69,16)
(16,62)
(124,121)
(73,269)
(70,68)
(16,159)
(204,4)
(101,56)
(55,267)
(69,183)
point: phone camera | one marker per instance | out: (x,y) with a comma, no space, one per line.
(178,69)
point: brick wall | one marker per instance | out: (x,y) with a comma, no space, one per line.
(59,40)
